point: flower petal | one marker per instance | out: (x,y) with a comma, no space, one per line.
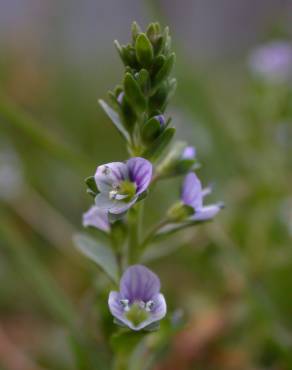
(103,201)
(109,175)
(159,311)
(119,206)
(96,217)
(192,191)
(206,213)
(139,283)
(115,307)
(140,172)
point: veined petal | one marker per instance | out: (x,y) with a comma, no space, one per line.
(115,306)
(96,217)
(103,201)
(110,175)
(192,191)
(207,212)
(139,283)
(140,172)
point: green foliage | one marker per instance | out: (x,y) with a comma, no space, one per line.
(100,254)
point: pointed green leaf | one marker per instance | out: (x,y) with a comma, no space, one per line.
(150,131)
(90,182)
(164,71)
(160,144)
(136,30)
(134,93)
(144,50)
(102,255)
(113,115)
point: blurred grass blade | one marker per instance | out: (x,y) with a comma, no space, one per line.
(54,300)
(100,254)
(38,134)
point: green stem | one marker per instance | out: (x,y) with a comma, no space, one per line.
(149,237)
(135,225)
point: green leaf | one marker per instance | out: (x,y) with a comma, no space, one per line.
(144,80)
(136,30)
(144,50)
(90,182)
(102,255)
(164,71)
(150,130)
(113,115)
(160,144)
(134,93)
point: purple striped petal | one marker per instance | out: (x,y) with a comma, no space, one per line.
(139,283)
(96,217)
(140,172)
(109,175)
(192,191)
(115,306)
(207,213)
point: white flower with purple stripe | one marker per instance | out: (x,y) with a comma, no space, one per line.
(139,302)
(193,195)
(120,184)
(96,217)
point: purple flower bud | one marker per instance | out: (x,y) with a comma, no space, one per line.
(96,217)
(161,119)
(139,302)
(189,152)
(120,184)
(193,194)
(272,61)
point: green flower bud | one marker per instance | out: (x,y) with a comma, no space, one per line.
(179,212)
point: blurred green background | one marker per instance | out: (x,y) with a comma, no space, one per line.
(231,279)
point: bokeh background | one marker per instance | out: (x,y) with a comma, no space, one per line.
(232,279)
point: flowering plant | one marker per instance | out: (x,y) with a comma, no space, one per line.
(137,109)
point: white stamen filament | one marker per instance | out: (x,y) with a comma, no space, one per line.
(125,304)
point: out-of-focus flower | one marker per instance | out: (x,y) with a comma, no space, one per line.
(272,61)
(120,184)
(193,195)
(180,160)
(96,217)
(139,302)
(189,152)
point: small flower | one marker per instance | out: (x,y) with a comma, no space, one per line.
(189,153)
(139,302)
(193,194)
(96,217)
(120,184)
(272,61)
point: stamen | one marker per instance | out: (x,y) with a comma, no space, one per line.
(113,194)
(125,304)
(149,306)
